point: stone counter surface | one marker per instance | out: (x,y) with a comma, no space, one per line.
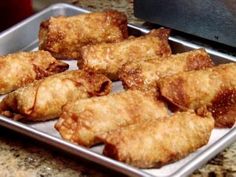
(23,157)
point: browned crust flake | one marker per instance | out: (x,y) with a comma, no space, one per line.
(223,108)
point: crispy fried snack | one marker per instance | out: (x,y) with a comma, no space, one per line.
(22,68)
(156,142)
(83,120)
(144,75)
(64,36)
(108,58)
(43,99)
(212,88)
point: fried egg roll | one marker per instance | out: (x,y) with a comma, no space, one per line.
(22,68)
(107,58)
(212,88)
(156,142)
(64,36)
(144,75)
(83,120)
(43,99)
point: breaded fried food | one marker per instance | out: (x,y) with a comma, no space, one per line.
(64,36)
(108,58)
(83,120)
(212,88)
(144,75)
(156,142)
(22,68)
(43,99)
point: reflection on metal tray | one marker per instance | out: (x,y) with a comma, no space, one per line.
(23,36)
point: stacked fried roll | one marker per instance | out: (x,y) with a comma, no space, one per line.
(83,120)
(144,75)
(64,36)
(212,89)
(22,68)
(108,58)
(155,142)
(43,99)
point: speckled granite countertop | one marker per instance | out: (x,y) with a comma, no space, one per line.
(21,156)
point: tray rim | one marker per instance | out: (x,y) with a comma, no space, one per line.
(80,151)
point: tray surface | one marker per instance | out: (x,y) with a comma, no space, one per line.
(23,36)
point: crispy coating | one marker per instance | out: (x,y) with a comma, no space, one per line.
(22,68)
(108,58)
(212,88)
(64,36)
(144,75)
(83,120)
(43,99)
(156,142)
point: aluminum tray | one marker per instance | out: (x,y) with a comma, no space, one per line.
(23,36)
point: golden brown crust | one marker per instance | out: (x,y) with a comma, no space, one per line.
(108,58)
(213,88)
(119,20)
(132,76)
(64,36)
(43,99)
(83,120)
(144,75)
(223,108)
(22,68)
(198,59)
(156,142)
(162,33)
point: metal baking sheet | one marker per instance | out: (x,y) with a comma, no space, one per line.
(23,37)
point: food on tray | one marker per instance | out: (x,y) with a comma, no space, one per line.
(156,142)
(22,68)
(144,75)
(212,89)
(64,36)
(83,120)
(107,58)
(43,99)
(135,127)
